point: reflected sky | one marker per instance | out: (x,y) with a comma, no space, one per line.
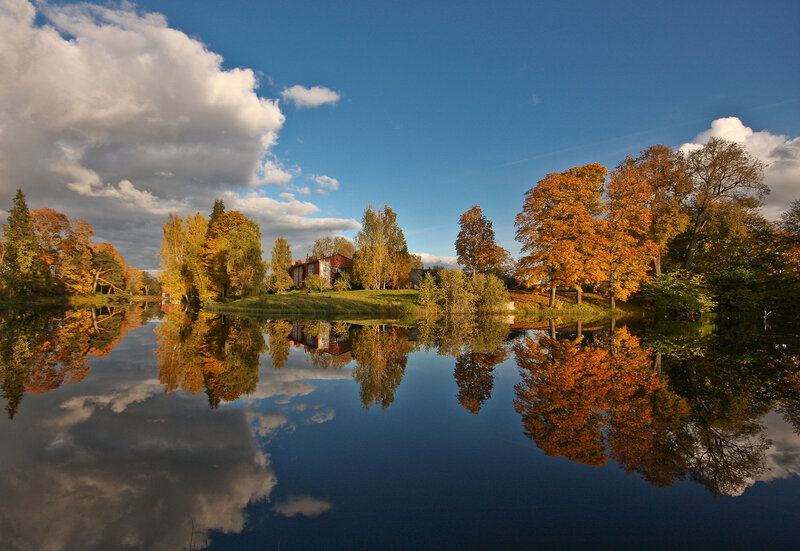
(407,437)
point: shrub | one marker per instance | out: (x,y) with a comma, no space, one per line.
(316,283)
(678,293)
(429,294)
(457,296)
(491,293)
(280,281)
(343,282)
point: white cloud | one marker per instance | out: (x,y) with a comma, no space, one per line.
(128,446)
(535,99)
(431,260)
(310,97)
(272,172)
(302,505)
(781,154)
(110,115)
(326,183)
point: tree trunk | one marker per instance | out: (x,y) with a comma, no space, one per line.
(579,291)
(657,263)
(580,329)
(96,278)
(553,296)
(552,328)
(613,303)
(657,362)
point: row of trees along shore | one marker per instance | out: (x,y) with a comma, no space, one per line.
(680,229)
(684,229)
(219,257)
(43,252)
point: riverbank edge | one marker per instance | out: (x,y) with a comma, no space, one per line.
(399,304)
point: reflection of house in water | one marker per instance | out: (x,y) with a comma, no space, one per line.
(323,339)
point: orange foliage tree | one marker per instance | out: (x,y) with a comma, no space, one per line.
(557,229)
(66,249)
(475,244)
(625,251)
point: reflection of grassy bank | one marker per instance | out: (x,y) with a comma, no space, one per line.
(377,304)
(26,302)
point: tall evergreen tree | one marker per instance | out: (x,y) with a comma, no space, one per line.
(217,211)
(22,268)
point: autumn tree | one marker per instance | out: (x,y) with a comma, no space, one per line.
(174,273)
(280,263)
(475,244)
(214,253)
(724,174)
(382,259)
(328,246)
(625,249)
(557,229)
(109,269)
(66,249)
(667,173)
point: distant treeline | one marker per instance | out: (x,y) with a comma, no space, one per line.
(42,252)
(219,257)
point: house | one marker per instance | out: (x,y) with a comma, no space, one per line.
(416,275)
(328,268)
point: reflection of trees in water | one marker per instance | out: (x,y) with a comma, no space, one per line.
(213,352)
(41,350)
(278,332)
(684,404)
(380,352)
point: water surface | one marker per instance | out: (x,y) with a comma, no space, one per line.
(137,429)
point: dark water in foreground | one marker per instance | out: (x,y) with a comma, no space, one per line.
(137,430)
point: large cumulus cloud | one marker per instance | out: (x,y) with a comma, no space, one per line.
(780,153)
(113,116)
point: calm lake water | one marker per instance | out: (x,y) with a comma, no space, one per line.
(136,429)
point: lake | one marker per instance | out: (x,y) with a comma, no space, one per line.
(142,429)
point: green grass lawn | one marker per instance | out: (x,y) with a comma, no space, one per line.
(392,304)
(329,304)
(530,303)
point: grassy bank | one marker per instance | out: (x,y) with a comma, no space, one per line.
(403,303)
(329,305)
(535,305)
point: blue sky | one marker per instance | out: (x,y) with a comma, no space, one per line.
(443,105)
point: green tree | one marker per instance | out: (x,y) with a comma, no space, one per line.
(317,283)
(22,268)
(724,174)
(281,262)
(667,173)
(382,259)
(245,266)
(217,211)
